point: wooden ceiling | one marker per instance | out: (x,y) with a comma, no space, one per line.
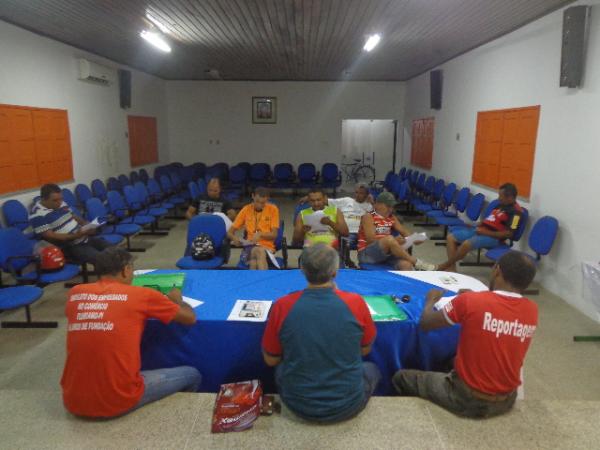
(279,39)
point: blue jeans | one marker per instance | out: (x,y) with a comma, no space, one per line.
(161,383)
(462,234)
(371,378)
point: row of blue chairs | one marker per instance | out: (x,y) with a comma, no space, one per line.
(127,208)
(444,205)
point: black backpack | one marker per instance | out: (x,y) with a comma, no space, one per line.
(202,247)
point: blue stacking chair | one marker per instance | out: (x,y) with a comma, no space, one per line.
(280,244)
(123,181)
(16,215)
(112,184)
(307,175)
(187,174)
(142,215)
(157,196)
(541,239)
(194,191)
(119,209)
(83,194)
(473,212)
(442,206)
(238,180)
(169,191)
(518,233)
(178,186)
(450,218)
(212,225)
(96,209)
(201,183)
(17,254)
(99,189)
(199,170)
(70,199)
(148,206)
(134,177)
(283,176)
(144,177)
(402,173)
(331,177)
(259,175)
(13,297)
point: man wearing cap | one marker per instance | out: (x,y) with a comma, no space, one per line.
(376,245)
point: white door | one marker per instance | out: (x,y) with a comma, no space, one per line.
(370,142)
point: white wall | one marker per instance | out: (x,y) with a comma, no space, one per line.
(40,72)
(308,127)
(522,69)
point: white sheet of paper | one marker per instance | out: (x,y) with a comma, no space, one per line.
(437,277)
(91,225)
(413,238)
(250,310)
(143,271)
(273,259)
(192,301)
(442,302)
(314,221)
(371,310)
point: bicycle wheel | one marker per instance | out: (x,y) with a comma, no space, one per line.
(364,174)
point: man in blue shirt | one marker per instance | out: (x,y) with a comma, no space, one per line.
(53,221)
(316,338)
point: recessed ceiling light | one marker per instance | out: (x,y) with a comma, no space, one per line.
(156,40)
(372,41)
(157,22)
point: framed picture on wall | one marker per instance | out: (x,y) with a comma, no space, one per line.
(264,109)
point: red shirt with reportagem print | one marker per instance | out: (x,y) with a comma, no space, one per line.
(106,320)
(496,330)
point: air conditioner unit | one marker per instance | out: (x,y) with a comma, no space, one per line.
(90,71)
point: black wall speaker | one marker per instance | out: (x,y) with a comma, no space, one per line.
(574,42)
(436,79)
(125,88)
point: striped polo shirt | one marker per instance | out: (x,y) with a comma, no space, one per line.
(61,220)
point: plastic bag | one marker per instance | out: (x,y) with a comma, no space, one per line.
(237,406)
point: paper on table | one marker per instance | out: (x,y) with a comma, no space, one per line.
(250,310)
(142,271)
(93,224)
(442,302)
(414,238)
(314,221)
(192,301)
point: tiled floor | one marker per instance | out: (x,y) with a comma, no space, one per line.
(560,410)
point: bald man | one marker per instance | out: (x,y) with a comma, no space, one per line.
(211,202)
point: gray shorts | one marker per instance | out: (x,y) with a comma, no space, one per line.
(374,254)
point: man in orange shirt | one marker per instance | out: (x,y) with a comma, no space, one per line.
(106,319)
(260,219)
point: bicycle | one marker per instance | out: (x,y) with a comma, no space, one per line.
(358,172)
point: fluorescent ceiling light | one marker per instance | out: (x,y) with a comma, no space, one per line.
(156,40)
(372,41)
(158,24)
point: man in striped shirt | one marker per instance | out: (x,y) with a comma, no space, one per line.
(54,221)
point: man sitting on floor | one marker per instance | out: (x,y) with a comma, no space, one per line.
(260,219)
(211,202)
(106,320)
(498,226)
(376,245)
(328,229)
(53,221)
(496,330)
(317,338)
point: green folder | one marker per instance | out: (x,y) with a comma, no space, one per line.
(383,308)
(161,282)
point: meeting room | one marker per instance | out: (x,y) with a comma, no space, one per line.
(299,224)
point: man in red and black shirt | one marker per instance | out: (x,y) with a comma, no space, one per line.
(496,330)
(499,225)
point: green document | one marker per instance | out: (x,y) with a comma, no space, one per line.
(161,282)
(382,308)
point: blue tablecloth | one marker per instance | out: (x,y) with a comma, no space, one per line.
(226,351)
